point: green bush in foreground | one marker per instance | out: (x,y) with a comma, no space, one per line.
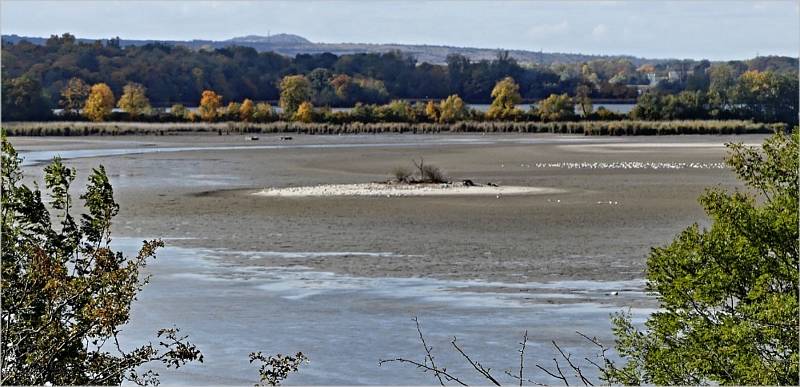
(66,293)
(729,293)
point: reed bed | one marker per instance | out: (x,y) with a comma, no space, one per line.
(591,128)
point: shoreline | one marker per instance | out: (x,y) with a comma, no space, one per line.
(588,128)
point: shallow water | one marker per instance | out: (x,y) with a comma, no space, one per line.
(619,108)
(41,156)
(346,324)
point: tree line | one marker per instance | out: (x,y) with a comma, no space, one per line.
(178,75)
(761,96)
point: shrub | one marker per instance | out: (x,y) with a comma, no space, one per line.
(402,174)
(429,173)
(432,174)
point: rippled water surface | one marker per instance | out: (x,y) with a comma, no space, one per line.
(346,324)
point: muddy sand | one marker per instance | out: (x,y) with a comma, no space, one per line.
(610,200)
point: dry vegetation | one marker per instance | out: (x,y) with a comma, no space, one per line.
(65,128)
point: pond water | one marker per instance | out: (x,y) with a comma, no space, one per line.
(346,324)
(620,108)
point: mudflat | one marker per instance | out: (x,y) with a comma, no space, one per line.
(611,200)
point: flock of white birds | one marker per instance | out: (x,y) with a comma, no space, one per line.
(627,165)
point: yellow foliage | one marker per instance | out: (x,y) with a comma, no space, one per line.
(133,100)
(100,102)
(209,105)
(246,111)
(506,97)
(263,112)
(452,109)
(305,112)
(432,111)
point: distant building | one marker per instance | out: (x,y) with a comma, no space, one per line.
(640,89)
(673,75)
(654,78)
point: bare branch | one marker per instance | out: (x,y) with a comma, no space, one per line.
(426,367)
(438,372)
(428,350)
(522,356)
(478,367)
(561,377)
(575,368)
(515,377)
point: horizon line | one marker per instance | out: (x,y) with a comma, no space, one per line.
(757,54)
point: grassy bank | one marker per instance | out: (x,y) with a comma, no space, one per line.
(618,128)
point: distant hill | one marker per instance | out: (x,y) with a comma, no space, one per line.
(291,45)
(278,39)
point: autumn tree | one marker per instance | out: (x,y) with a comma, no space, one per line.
(209,105)
(100,102)
(304,113)
(74,95)
(728,292)
(246,111)
(432,111)
(506,98)
(263,112)
(134,100)
(452,109)
(295,89)
(232,110)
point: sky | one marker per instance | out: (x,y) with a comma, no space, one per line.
(712,29)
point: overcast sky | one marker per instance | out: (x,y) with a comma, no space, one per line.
(713,29)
